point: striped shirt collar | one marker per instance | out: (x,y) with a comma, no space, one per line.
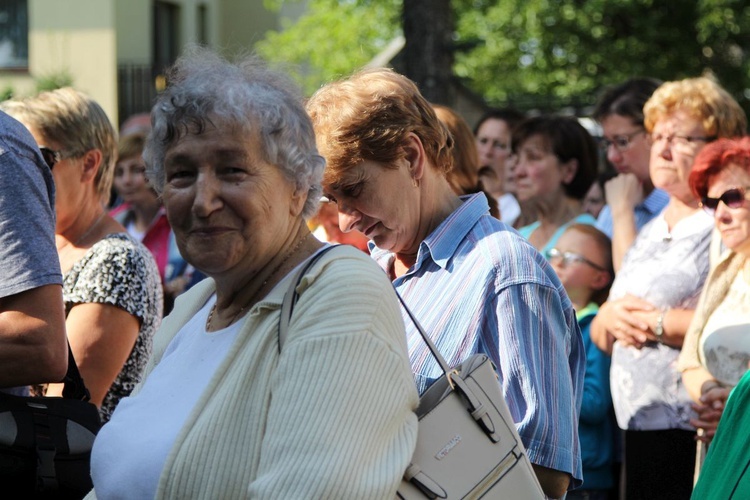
(441,244)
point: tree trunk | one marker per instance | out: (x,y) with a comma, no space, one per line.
(427,54)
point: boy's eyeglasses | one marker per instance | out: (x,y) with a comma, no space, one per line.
(571,258)
(733,198)
(51,157)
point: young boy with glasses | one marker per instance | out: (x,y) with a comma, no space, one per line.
(582,259)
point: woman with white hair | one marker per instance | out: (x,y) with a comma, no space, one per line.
(225,410)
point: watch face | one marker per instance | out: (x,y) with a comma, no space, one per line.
(726,353)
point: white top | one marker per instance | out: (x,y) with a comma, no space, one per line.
(725,343)
(132,231)
(331,416)
(118,459)
(510,210)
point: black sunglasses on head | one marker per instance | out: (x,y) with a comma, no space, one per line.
(733,198)
(51,157)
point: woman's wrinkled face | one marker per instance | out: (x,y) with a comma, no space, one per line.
(230,210)
(676,140)
(732,223)
(539,173)
(130,181)
(381,203)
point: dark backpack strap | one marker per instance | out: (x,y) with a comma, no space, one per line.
(74,387)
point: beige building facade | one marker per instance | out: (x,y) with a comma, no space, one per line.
(116,50)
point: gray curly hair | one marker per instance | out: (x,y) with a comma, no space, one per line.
(204,88)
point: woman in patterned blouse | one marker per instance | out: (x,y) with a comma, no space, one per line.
(111,288)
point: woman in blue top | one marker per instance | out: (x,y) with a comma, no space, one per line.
(557,164)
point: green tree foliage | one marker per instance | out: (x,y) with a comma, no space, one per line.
(538,53)
(333,39)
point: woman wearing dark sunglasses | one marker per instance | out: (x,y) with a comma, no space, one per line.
(655,292)
(111,288)
(713,357)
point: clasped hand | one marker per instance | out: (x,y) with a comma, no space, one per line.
(709,412)
(630,320)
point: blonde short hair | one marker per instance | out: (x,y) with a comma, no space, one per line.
(369,116)
(76,122)
(704,99)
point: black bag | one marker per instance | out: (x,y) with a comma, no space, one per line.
(45,442)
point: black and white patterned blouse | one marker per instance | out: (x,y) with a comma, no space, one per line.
(119,271)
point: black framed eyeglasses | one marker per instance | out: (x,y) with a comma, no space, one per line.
(51,157)
(733,198)
(571,258)
(621,142)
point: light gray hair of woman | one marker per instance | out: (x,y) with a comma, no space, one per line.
(207,90)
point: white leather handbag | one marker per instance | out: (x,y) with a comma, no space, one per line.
(467,444)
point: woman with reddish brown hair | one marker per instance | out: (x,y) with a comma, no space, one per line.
(714,356)
(473,282)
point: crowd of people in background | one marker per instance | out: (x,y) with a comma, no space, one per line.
(605,275)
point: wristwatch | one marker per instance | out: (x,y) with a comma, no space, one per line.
(659,330)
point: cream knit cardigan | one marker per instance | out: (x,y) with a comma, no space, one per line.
(331,417)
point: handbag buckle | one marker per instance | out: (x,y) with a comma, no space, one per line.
(450,379)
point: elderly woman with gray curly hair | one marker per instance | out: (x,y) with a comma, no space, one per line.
(225,411)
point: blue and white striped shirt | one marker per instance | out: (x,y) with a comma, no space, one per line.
(478,286)
(644,212)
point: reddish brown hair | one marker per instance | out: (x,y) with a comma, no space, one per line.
(464,176)
(714,158)
(369,116)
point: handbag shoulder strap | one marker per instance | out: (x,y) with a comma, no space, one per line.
(433,349)
(291,296)
(73,387)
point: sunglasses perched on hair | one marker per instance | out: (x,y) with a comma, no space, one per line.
(571,258)
(51,157)
(733,198)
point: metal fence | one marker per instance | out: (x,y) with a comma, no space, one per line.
(136,84)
